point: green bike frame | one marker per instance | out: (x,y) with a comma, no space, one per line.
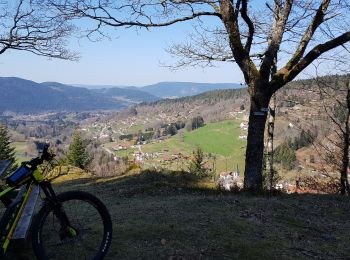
(14,207)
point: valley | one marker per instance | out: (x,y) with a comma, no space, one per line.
(140,168)
(164,134)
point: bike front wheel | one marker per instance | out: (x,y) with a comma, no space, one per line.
(88,235)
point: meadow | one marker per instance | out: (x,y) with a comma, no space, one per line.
(219,139)
(175,216)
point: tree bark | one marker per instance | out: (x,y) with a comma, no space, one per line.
(269,148)
(270,131)
(255,145)
(344,182)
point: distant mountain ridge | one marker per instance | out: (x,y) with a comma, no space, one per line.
(133,95)
(172,89)
(183,89)
(25,96)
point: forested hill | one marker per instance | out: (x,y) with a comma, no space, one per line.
(182,89)
(209,96)
(25,96)
(170,89)
(133,95)
(295,92)
(299,102)
(214,105)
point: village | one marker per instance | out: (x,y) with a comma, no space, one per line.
(141,139)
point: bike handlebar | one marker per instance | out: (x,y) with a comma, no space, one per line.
(45,156)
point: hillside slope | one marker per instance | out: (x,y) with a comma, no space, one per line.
(182,89)
(125,94)
(167,216)
(25,96)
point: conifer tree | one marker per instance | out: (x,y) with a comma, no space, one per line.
(6,151)
(77,153)
(197,163)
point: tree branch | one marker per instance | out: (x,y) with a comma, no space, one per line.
(29,25)
(117,23)
(316,22)
(250,24)
(276,38)
(142,13)
(313,54)
(230,20)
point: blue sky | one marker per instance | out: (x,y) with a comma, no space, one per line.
(130,58)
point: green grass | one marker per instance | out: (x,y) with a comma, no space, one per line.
(127,152)
(167,216)
(220,139)
(135,129)
(21,151)
(110,145)
(20,147)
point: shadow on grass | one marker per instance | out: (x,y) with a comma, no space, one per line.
(165,182)
(175,215)
(172,182)
(147,182)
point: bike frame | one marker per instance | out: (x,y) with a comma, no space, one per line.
(12,214)
(14,208)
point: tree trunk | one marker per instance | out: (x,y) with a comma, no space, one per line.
(344,182)
(269,148)
(255,145)
(270,131)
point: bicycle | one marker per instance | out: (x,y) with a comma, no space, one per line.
(70,225)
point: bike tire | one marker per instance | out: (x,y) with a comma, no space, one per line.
(48,243)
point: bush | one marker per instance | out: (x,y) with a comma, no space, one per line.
(146,136)
(197,163)
(304,139)
(170,130)
(179,125)
(127,137)
(285,155)
(197,122)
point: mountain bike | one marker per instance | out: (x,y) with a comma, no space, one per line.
(70,225)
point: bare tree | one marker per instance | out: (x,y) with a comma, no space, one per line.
(31,25)
(235,31)
(335,98)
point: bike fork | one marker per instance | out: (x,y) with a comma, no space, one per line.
(66,228)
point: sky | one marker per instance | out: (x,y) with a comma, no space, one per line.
(131,58)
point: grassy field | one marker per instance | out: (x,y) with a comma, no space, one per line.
(135,129)
(171,216)
(21,151)
(20,147)
(219,139)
